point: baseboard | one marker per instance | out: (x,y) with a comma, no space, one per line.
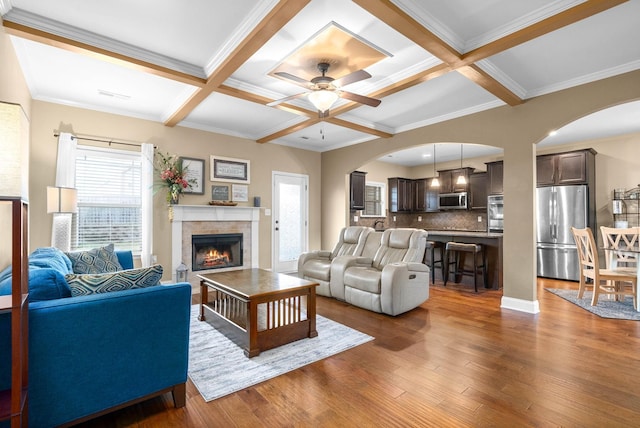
(528,306)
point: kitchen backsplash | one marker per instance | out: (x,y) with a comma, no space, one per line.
(444,220)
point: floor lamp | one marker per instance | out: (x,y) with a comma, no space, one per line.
(62,202)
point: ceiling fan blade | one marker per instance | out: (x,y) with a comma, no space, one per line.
(354,77)
(294,79)
(360,98)
(281,100)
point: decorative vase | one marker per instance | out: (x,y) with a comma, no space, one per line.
(174,195)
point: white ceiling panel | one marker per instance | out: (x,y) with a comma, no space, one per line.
(591,49)
(64,77)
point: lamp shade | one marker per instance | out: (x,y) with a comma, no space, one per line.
(322,99)
(14,161)
(62,200)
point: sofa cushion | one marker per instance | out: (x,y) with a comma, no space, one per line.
(47,284)
(363,278)
(317,268)
(44,284)
(84,284)
(97,260)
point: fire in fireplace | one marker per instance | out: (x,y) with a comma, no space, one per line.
(216,251)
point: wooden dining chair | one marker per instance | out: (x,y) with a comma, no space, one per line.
(624,239)
(605,281)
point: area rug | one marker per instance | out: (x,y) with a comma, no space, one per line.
(605,308)
(218,367)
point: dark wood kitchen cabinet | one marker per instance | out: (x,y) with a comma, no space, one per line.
(449,180)
(357,185)
(478,190)
(426,196)
(495,171)
(401,194)
(575,167)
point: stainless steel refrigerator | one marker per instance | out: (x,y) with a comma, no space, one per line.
(558,209)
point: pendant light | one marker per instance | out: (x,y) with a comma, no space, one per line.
(461,178)
(434,181)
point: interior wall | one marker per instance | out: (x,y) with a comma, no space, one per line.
(13,89)
(514,129)
(180,141)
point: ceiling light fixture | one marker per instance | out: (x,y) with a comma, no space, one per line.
(434,181)
(322,99)
(461,178)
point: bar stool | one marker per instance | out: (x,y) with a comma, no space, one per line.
(430,249)
(453,250)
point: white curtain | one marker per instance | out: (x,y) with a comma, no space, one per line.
(147,203)
(66,165)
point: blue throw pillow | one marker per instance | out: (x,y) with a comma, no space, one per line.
(98,260)
(47,284)
(44,284)
(84,284)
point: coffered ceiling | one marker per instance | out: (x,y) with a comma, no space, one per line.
(211,65)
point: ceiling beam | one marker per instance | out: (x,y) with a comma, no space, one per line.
(356,127)
(400,21)
(290,130)
(552,23)
(404,24)
(54,40)
(481,78)
(280,15)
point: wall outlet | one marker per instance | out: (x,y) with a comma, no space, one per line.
(267,212)
(479,219)
(355,218)
(419,218)
(154,259)
(394,218)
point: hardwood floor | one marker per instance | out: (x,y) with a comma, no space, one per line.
(459,360)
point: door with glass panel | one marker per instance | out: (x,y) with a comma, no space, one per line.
(290,220)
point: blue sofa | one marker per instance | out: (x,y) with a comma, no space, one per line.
(92,354)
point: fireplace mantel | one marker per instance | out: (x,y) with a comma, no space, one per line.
(207,213)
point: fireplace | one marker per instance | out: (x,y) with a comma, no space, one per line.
(216,251)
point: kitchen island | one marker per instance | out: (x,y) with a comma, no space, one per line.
(493,247)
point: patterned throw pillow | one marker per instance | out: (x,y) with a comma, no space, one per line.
(84,284)
(98,260)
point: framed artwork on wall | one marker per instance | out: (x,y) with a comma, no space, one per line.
(195,175)
(220,193)
(230,169)
(239,192)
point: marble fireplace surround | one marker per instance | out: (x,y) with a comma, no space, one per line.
(205,219)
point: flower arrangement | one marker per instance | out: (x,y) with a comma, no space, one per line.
(173,175)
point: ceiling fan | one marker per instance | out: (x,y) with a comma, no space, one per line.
(325,90)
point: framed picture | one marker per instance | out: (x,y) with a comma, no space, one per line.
(220,193)
(229,169)
(195,172)
(239,192)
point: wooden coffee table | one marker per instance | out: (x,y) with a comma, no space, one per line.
(259,309)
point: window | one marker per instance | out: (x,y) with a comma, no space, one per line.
(374,199)
(109,199)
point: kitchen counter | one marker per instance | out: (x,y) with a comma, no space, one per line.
(472,233)
(493,248)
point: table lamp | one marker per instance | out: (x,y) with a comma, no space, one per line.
(62,202)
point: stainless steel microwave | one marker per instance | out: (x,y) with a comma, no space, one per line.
(452,201)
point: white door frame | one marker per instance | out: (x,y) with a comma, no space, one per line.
(275,214)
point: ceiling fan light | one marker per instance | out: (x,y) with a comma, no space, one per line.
(322,99)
